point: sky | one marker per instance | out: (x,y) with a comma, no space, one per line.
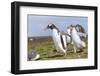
(37,23)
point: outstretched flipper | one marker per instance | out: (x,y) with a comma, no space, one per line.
(63,33)
(67,35)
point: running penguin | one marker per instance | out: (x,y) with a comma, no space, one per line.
(58,38)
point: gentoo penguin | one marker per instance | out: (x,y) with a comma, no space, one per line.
(81,32)
(32,55)
(69,39)
(78,43)
(79,28)
(58,38)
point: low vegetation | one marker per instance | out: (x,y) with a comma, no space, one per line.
(45,47)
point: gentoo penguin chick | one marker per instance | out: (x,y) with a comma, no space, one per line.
(58,38)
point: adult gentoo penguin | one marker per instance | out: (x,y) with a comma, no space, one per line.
(81,31)
(77,41)
(58,38)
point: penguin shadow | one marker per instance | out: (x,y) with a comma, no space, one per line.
(55,55)
(80,51)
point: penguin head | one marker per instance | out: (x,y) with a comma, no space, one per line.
(52,26)
(79,28)
(68,29)
(72,27)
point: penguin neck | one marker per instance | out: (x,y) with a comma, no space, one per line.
(74,31)
(55,31)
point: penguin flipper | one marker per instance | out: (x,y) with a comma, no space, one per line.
(82,34)
(63,33)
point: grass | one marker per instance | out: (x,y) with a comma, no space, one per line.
(45,47)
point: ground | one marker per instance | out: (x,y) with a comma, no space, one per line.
(45,47)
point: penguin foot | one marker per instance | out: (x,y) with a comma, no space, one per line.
(75,51)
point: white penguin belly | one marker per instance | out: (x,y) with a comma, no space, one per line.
(57,41)
(76,39)
(68,39)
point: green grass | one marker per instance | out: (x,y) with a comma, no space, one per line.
(45,47)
